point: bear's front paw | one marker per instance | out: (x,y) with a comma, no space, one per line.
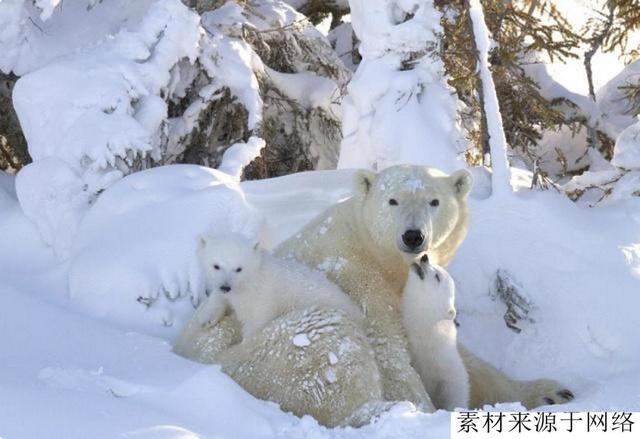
(545,392)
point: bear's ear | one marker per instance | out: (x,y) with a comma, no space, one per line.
(363,181)
(462,182)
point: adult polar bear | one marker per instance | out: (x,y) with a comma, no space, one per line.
(365,245)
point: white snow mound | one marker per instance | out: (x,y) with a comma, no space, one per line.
(137,245)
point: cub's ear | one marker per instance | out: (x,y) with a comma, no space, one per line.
(461,181)
(202,241)
(363,181)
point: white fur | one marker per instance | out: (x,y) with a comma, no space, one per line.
(428,312)
(261,286)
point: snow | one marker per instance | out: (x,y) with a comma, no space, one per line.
(47,7)
(54,198)
(610,98)
(7,185)
(91,116)
(163,210)
(31,37)
(308,89)
(98,105)
(610,113)
(232,60)
(495,130)
(341,38)
(301,340)
(116,375)
(330,375)
(239,155)
(626,153)
(97,262)
(107,378)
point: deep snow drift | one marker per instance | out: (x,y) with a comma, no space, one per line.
(577,268)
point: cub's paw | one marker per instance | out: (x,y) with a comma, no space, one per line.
(544,392)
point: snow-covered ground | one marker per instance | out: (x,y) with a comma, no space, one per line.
(87,320)
(67,370)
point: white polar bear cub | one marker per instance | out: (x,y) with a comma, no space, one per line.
(428,313)
(260,287)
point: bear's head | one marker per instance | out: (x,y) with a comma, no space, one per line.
(228,261)
(409,210)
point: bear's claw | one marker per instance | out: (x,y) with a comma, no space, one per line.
(544,392)
(566,394)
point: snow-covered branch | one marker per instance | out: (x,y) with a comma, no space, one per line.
(497,138)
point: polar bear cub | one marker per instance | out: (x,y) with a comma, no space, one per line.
(428,313)
(260,287)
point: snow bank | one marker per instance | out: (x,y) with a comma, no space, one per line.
(136,247)
(399,108)
(82,380)
(139,241)
(134,261)
(54,197)
(578,269)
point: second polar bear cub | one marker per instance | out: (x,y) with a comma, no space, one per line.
(260,287)
(428,312)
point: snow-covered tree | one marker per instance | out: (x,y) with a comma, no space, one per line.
(399,107)
(522,33)
(110,88)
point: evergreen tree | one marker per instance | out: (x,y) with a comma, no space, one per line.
(523,31)
(13,146)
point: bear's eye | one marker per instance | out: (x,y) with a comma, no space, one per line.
(393,202)
(434,202)
(216,266)
(238,270)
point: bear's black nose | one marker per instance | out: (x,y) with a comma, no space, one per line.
(413,239)
(225,288)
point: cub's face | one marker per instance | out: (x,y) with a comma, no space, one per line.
(434,287)
(411,209)
(229,262)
